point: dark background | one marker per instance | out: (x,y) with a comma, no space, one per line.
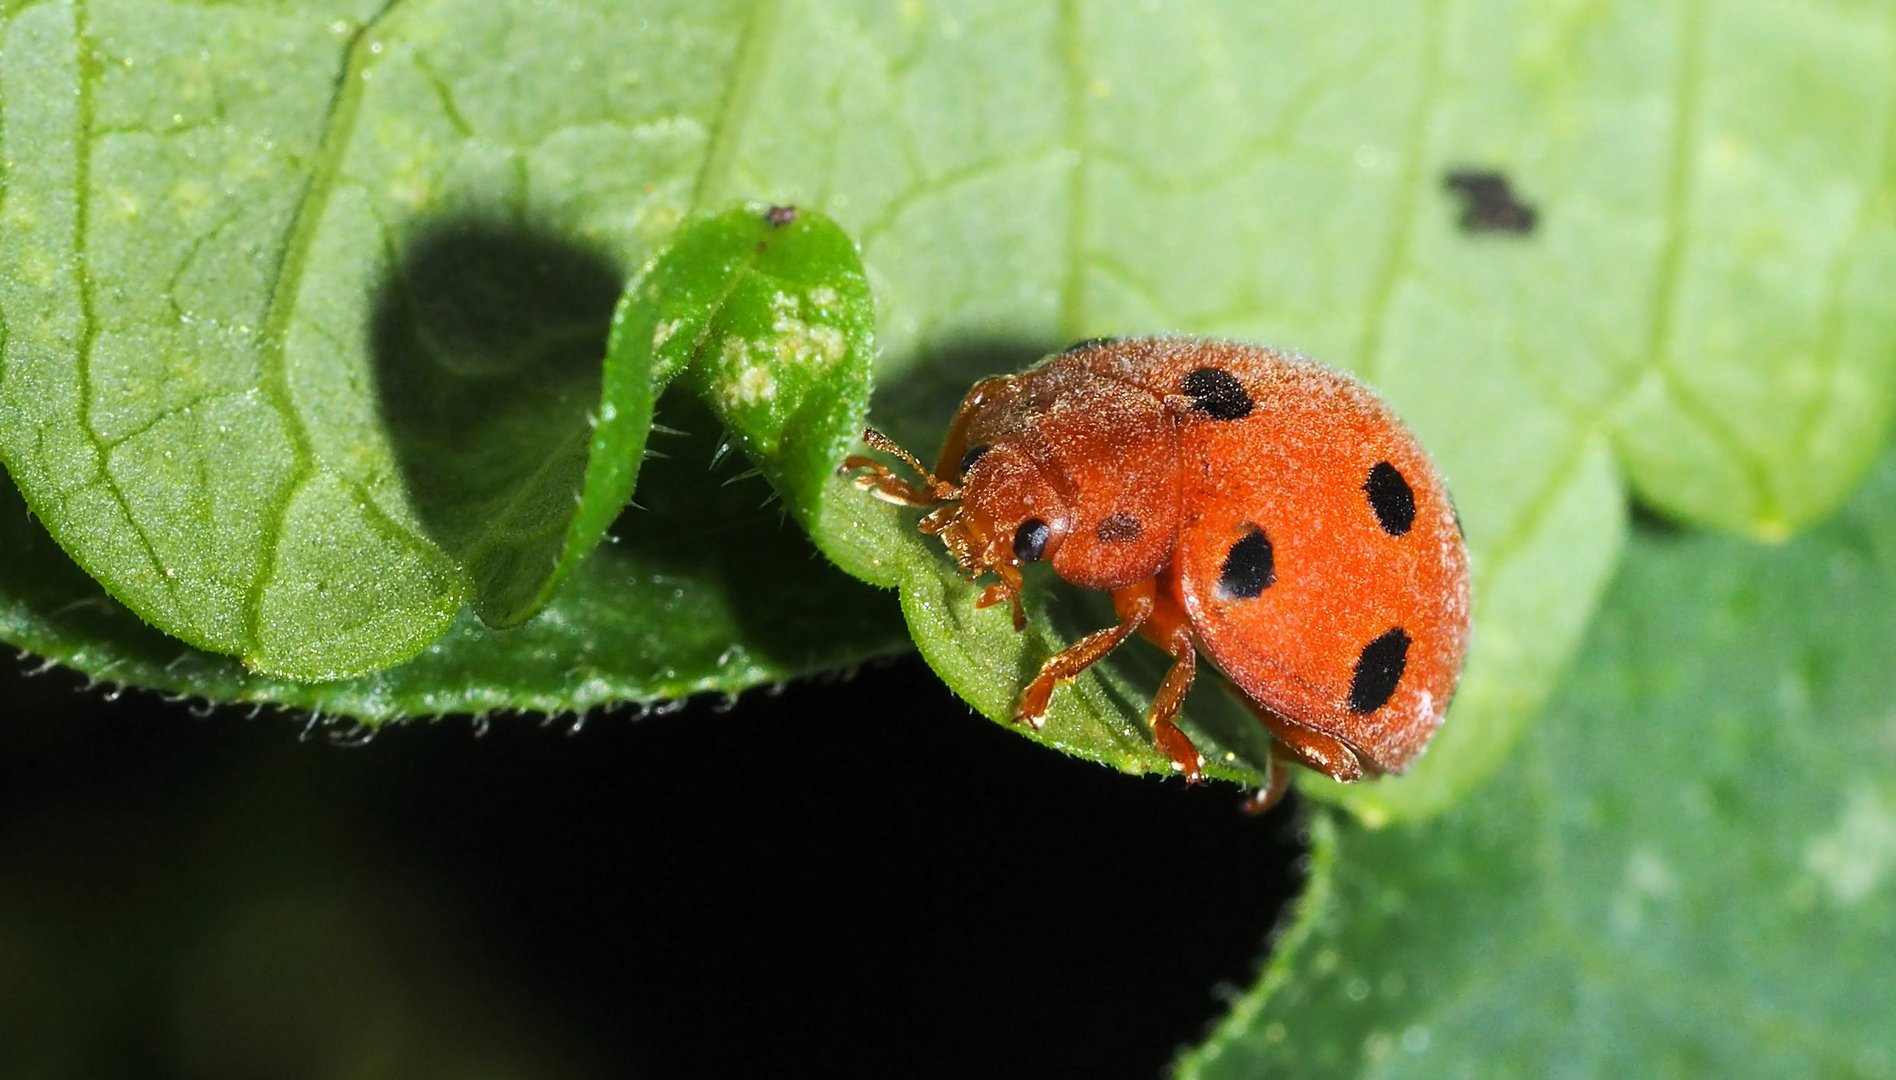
(854,875)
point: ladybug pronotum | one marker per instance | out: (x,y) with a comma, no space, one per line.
(1237,501)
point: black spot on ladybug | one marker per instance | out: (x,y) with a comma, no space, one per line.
(1390,497)
(973,455)
(1489,204)
(1249,568)
(779,216)
(1378,671)
(1116,527)
(1030,540)
(1088,345)
(1217,394)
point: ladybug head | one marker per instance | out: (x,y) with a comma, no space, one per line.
(1008,511)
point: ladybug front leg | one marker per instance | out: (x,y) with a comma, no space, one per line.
(879,480)
(1075,658)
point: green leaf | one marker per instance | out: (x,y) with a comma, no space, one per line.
(653,614)
(1687,869)
(246,389)
(625,629)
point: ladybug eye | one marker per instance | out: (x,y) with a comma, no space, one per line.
(973,455)
(1030,540)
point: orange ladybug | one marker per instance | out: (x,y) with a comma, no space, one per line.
(1235,500)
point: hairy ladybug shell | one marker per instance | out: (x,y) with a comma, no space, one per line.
(1236,500)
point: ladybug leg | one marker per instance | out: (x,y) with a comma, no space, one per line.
(879,480)
(1007,591)
(1170,628)
(1077,657)
(1276,782)
(954,448)
(1311,749)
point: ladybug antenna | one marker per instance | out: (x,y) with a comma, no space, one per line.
(938,489)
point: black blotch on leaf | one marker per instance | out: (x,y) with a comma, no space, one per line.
(1489,204)
(1378,670)
(1390,498)
(1218,394)
(1648,520)
(1249,567)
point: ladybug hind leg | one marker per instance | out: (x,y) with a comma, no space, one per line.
(1299,745)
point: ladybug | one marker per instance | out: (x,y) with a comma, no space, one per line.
(1235,500)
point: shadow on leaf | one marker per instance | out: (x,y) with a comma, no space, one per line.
(488,338)
(918,403)
(720,525)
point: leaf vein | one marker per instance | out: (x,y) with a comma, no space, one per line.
(903,201)
(1872,211)
(1078,134)
(1681,177)
(291,263)
(1395,260)
(725,127)
(88,313)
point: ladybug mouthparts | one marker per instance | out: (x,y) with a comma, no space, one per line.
(975,552)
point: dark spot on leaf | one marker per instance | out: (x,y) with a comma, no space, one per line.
(1390,497)
(779,216)
(1030,540)
(1117,527)
(1649,520)
(1217,394)
(1249,567)
(973,455)
(1378,670)
(1489,204)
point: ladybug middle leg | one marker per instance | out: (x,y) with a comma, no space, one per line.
(1170,628)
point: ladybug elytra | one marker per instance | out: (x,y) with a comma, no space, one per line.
(1237,501)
